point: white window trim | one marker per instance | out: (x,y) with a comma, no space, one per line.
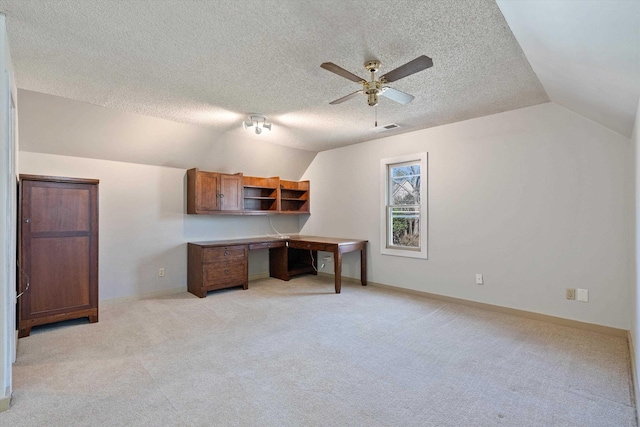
(384,189)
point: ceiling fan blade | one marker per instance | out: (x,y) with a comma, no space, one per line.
(396,95)
(330,66)
(345,98)
(420,63)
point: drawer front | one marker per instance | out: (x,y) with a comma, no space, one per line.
(224,274)
(308,245)
(267,245)
(224,253)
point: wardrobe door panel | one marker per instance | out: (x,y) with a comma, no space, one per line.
(58,250)
(61,281)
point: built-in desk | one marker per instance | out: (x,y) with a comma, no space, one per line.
(224,263)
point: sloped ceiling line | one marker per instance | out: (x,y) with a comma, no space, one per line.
(211,63)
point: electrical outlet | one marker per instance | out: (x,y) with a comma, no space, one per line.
(161,272)
(582,295)
(479,279)
(571,293)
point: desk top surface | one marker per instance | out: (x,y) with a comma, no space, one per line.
(290,238)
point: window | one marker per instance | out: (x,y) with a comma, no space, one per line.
(404,207)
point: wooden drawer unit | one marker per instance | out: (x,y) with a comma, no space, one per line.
(224,274)
(216,267)
(267,245)
(224,254)
(312,246)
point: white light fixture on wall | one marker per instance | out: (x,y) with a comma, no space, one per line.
(258,121)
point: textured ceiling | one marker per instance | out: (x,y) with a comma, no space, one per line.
(213,62)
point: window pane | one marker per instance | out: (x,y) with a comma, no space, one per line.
(404,184)
(405,226)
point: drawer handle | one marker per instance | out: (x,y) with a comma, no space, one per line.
(226,253)
(226,272)
(308,245)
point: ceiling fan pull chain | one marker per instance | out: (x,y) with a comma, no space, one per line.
(376,122)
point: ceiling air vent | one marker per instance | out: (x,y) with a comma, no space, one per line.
(385,128)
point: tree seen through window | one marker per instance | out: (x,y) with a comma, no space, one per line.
(404,204)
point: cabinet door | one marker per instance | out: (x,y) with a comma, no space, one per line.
(231,192)
(207,197)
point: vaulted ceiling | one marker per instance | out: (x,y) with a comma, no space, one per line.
(211,63)
(585,53)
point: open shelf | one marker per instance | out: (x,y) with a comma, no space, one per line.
(300,261)
(260,195)
(294,196)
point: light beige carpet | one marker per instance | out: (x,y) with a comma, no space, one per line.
(296,354)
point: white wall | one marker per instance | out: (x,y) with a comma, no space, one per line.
(55,125)
(635,250)
(8,214)
(535,199)
(143,224)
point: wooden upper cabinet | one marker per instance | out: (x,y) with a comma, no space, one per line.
(212,192)
(219,193)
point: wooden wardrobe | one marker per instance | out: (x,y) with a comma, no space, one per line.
(57,250)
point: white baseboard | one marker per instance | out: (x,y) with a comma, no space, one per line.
(508,310)
(146,295)
(165,292)
(258,276)
(634,373)
(5,402)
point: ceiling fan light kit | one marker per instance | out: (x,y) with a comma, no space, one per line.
(375,87)
(258,122)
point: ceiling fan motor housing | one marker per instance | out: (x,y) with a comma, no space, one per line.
(372,89)
(372,66)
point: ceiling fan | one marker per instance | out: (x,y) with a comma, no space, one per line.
(374,87)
